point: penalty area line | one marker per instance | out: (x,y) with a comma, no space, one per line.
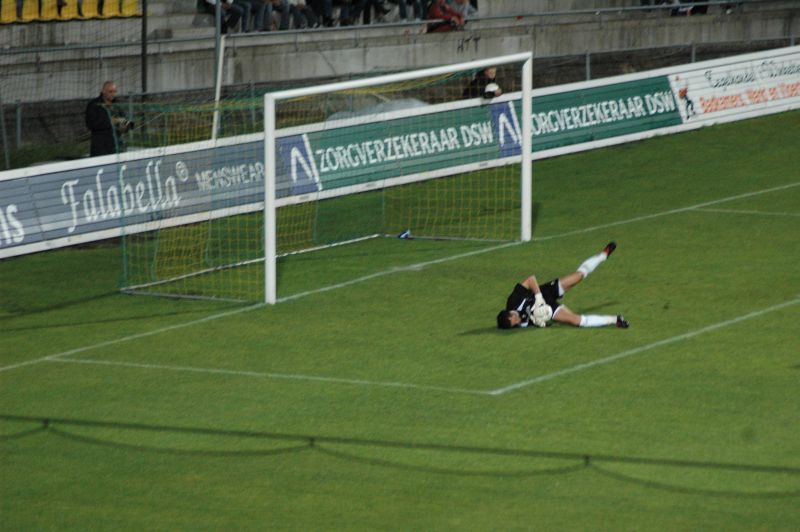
(123,339)
(266,375)
(641,349)
(679,210)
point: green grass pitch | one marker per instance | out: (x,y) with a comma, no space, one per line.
(394,402)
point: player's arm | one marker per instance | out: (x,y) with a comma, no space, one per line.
(531,284)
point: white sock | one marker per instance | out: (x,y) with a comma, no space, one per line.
(591,320)
(591,263)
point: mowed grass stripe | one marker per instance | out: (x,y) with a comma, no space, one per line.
(398,269)
(641,349)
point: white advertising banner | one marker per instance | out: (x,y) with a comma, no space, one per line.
(63,204)
(739,86)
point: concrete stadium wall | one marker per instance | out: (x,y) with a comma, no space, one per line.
(293,56)
(299,56)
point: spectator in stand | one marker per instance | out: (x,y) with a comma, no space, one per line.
(303,15)
(284,11)
(464,8)
(231,13)
(680,9)
(346,10)
(323,9)
(699,10)
(448,20)
(728,8)
(254,11)
(417,5)
(366,6)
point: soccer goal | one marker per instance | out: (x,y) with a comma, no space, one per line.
(408,154)
(425,154)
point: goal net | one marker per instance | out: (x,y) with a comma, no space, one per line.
(362,162)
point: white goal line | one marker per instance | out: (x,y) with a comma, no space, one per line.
(671,211)
(758,213)
(636,350)
(445,389)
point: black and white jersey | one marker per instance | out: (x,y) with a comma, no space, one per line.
(522,300)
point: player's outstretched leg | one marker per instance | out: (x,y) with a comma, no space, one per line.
(591,320)
(589,265)
(565,315)
(586,267)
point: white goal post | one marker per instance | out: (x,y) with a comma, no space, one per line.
(296,147)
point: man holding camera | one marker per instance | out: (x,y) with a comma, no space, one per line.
(106,122)
(483,84)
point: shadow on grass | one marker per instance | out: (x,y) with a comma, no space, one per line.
(16,310)
(150,312)
(331,446)
(537,212)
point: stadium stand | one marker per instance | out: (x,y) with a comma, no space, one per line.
(30,10)
(8,12)
(110,9)
(12,12)
(90,9)
(130,8)
(69,10)
(49,10)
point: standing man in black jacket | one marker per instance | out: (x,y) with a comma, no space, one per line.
(105,122)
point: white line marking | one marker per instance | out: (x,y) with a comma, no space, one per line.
(410,268)
(666,213)
(133,337)
(386,272)
(282,376)
(763,213)
(640,349)
(499,391)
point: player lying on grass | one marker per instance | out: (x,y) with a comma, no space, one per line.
(532,304)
